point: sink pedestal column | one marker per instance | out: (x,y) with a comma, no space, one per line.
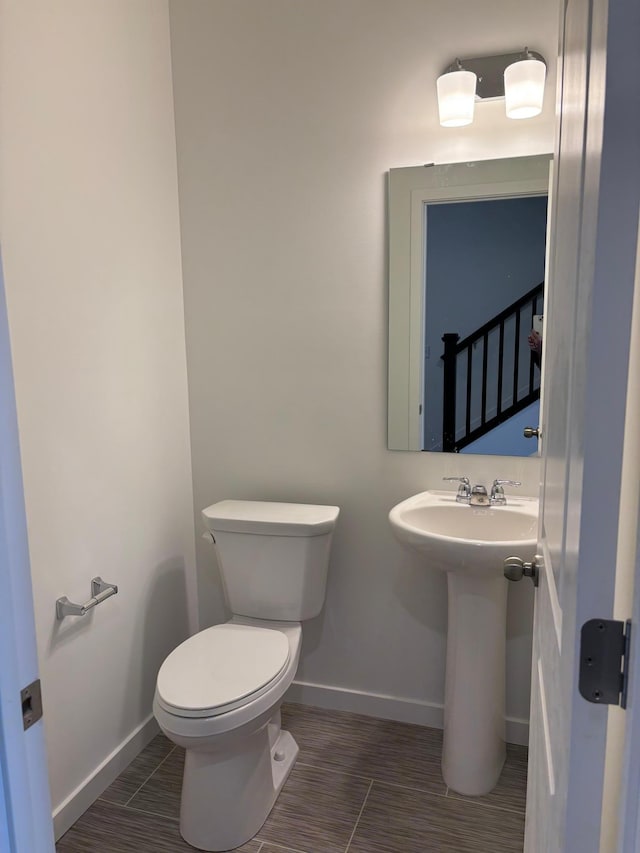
(474,747)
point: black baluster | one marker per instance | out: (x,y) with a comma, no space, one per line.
(485,347)
(532,360)
(469,373)
(450,340)
(516,359)
(500,366)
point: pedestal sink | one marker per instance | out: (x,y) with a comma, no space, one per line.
(470,543)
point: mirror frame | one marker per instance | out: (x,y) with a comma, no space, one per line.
(410,189)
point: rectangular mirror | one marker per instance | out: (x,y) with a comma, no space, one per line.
(466,304)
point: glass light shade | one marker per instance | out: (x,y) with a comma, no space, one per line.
(456,98)
(524,88)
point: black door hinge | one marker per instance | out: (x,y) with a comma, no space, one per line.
(604,661)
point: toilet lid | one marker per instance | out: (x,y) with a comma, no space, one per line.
(219,668)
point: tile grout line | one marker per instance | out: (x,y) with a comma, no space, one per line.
(492,806)
(332,770)
(353,831)
(277,846)
(137,791)
(340,772)
(447,794)
(146,812)
(426,791)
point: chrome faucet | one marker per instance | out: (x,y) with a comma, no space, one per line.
(498,497)
(477,496)
(464,489)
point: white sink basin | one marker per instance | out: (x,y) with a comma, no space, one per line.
(470,543)
(455,537)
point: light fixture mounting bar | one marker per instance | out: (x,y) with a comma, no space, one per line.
(490,70)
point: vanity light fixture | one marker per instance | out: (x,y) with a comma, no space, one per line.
(519,78)
(456,96)
(524,86)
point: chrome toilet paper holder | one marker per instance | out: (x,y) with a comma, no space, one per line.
(100,591)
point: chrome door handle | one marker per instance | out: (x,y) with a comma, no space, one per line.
(529,432)
(515,569)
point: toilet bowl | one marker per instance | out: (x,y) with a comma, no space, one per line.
(218,694)
(227,718)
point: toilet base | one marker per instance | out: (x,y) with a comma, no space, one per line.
(227,796)
(283,755)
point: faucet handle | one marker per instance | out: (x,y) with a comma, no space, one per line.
(464,489)
(497,492)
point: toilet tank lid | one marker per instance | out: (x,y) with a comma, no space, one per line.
(270,518)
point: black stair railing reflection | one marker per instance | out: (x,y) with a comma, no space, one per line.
(505,354)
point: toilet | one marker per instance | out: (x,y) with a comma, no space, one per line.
(218,695)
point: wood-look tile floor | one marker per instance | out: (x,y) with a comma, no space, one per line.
(360,785)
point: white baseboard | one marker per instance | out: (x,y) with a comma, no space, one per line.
(387,707)
(78,801)
(517,731)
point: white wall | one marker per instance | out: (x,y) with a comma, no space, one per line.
(288,116)
(90,232)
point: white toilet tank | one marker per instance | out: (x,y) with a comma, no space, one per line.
(273,557)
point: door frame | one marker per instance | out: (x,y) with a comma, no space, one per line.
(24,785)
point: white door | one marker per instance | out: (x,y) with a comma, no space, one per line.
(629,831)
(627,723)
(25,807)
(595,202)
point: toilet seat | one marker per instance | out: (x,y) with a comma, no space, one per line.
(220,669)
